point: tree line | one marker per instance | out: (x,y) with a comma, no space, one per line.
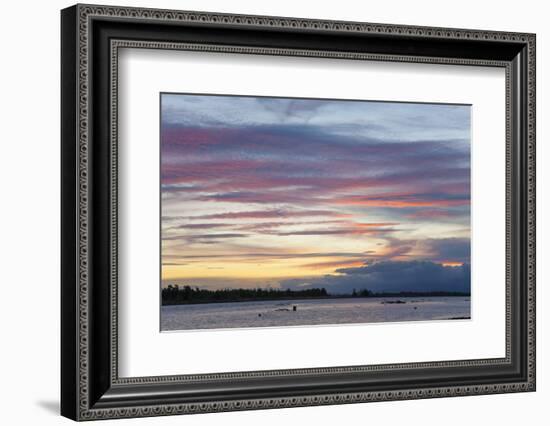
(175,295)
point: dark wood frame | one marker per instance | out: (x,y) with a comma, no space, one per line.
(91,37)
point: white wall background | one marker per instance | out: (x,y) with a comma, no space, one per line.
(29,213)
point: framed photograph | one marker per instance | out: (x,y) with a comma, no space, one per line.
(263,212)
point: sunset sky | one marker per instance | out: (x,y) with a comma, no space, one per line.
(295,193)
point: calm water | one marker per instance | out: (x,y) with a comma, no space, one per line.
(311,312)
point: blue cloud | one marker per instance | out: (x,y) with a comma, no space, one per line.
(449,249)
(391,276)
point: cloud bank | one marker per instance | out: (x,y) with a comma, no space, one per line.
(391,276)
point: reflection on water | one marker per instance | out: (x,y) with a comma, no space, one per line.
(282,313)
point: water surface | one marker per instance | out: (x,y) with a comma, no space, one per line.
(280,313)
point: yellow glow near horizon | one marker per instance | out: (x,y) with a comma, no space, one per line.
(261,269)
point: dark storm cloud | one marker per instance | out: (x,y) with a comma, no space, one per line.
(391,276)
(448,249)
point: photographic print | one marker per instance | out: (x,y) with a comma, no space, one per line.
(283,212)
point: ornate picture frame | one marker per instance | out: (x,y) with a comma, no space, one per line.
(91,37)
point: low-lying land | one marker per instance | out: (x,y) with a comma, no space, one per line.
(176,295)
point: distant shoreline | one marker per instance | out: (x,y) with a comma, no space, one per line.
(297,298)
